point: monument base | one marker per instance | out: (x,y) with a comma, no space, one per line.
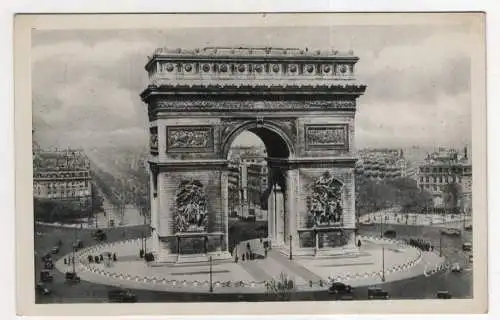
(347,251)
(217,256)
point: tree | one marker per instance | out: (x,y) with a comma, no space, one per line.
(451,194)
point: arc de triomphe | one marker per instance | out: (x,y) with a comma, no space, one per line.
(301,103)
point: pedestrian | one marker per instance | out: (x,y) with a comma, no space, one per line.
(109,255)
(65,261)
(96,259)
(243,257)
(90,258)
(359,243)
(114,257)
(101,258)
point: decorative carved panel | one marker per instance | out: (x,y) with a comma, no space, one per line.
(153,139)
(327,137)
(210,105)
(324,203)
(191,209)
(190,139)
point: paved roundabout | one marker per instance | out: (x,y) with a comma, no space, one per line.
(400,261)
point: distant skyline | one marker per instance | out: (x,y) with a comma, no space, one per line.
(86,84)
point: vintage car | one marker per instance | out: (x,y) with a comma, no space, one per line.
(468,228)
(55,250)
(78,244)
(390,234)
(42,289)
(121,295)
(443,294)
(339,288)
(467,246)
(46,276)
(99,235)
(71,277)
(456,267)
(375,293)
(451,232)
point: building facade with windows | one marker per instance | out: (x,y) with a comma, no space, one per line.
(61,175)
(447,175)
(381,164)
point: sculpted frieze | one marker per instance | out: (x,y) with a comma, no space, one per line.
(190,138)
(210,105)
(327,136)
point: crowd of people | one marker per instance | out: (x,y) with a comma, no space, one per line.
(422,244)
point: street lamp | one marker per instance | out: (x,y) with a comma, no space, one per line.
(290,247)
(210,263)
(383,263)
(440,243)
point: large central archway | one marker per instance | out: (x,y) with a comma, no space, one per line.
(301,104)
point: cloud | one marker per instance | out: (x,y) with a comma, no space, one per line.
(86,85)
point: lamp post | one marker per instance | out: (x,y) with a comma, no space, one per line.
(74,249)
(440,244)
(210,263)
(383,263)
(290,247)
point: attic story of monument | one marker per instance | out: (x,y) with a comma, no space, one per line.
(301,103)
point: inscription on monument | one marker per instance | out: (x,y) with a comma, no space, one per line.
(327,136)
(190,139)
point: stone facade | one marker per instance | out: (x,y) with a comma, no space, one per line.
(301,104)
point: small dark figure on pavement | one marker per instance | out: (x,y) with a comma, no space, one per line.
(359,243)
(90,259)
(65,261)
(141,253)
(109,255)
(243,257)
(96,259)
(265,252)
(114,256)
(101,258)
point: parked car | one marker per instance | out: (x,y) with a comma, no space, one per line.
(71,277)
(78,244)
(467,246)
(443,295)
(456,267)
(451,232)
(121,295)
(339,287)
(55,250)
(46,276)
(42,289)
(47,256)
(469,227)
(99,235)
(48,264)
(390,234)
(376,293)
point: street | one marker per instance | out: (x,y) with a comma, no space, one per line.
(458,284)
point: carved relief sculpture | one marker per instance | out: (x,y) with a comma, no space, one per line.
(194,139)
(191,207)
(325,202)
(327,137)
(153,139)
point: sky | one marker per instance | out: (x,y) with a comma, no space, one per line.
(86,83)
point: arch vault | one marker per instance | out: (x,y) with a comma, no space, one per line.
(301,103)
